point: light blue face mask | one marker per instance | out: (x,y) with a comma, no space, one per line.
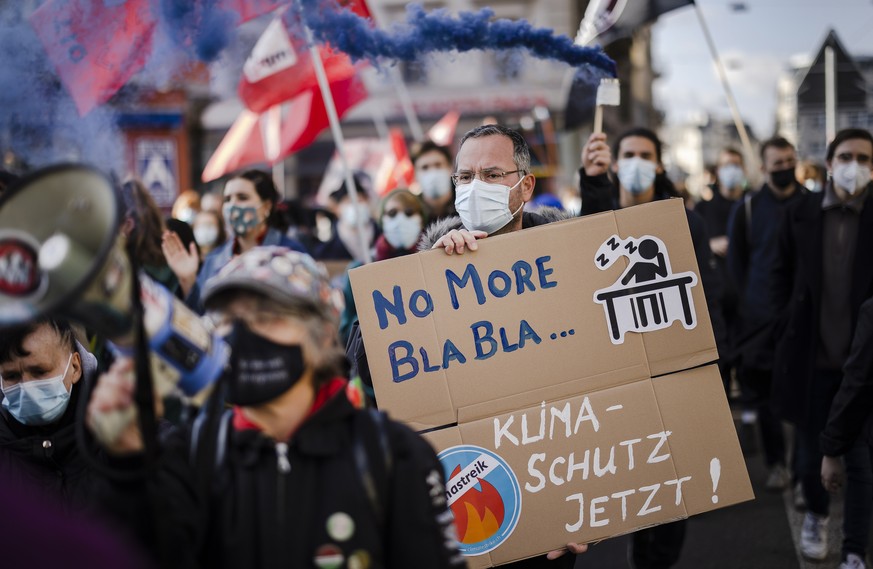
(37,402)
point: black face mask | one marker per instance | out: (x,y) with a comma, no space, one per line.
(782,178)
(260,370)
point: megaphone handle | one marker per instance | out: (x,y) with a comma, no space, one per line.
(107,427)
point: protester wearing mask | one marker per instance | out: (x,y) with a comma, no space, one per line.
(249,202)
(752,252)
(822,273)
(42,370)
(433,174)
(297,475)
(641,180)
(403,218)
(208,231)
(729,185)
(492,183)
(349,229)
(186,206)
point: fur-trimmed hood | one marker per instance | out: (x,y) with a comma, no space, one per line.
(540,216)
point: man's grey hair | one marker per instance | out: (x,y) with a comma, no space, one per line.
(520,149)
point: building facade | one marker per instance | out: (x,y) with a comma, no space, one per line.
(801,110)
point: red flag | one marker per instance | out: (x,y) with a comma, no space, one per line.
(280,68)
(305,117)
(359,7)
(241,146)
(443,132)
(397,171)
(95,47)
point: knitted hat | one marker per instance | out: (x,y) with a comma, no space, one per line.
(286,276)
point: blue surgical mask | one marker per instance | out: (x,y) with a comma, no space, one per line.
(37,402)
(241,219)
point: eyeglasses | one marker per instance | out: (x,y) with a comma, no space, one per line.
(489,175)
(408,212)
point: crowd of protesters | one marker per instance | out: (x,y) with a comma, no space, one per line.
(784,269)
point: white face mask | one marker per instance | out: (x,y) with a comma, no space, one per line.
(483,206)
(851,176)
(730,176)
(39,401)
(186,215)
(205,235)
(434,183)
(636,174)
(401,231)
(351,213)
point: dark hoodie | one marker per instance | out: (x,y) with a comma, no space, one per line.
(288,504)
(47,456)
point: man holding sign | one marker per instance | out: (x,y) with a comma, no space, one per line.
(561,384)
(492,183)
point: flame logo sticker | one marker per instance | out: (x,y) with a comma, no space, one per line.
(484,496)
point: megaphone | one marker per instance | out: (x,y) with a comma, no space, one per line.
(61,254)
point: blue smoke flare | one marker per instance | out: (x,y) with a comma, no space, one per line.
(201,28)
(39,121)
(425,32)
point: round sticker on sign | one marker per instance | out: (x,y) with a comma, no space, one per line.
(484,495)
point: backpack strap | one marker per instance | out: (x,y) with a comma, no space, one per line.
(369,431)
(219,439)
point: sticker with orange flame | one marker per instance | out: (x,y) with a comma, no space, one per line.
(484,496)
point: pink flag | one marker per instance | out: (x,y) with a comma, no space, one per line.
(95,47)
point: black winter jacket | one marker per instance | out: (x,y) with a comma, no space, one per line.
(288,505)
(851,413)
(796,296)
(47,457)
(754,246)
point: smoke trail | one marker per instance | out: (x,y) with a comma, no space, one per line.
(425,32)
(202,28)
(38,120)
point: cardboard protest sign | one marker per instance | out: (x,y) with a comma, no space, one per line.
(560,373)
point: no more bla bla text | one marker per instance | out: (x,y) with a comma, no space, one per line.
(522,277)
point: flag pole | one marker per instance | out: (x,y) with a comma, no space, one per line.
(270,133)
(735,112)
(830,95)
(333,118)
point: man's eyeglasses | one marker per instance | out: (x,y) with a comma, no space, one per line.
(489,175)
(409,212)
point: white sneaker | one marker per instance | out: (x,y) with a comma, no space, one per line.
(814,537)
(778,478)
(853,562)
(799,499)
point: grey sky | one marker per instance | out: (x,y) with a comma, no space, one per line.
(755,45)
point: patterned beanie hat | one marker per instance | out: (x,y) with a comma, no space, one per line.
(291,278)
